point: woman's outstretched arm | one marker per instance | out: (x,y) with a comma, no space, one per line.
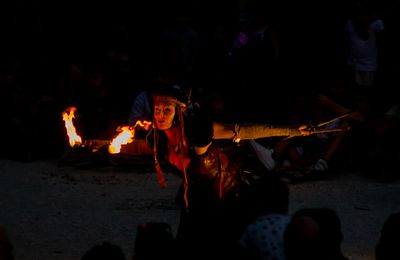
(239,132)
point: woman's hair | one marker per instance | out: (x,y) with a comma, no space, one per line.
(174,92)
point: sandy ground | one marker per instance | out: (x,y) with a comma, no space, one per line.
(56,212)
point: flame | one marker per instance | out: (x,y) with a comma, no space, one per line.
(126,135)
(145,124)
(68,115)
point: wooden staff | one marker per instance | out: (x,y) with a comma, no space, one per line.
(336,118)
(320,131)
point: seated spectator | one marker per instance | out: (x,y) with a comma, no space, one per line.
(383,153)
(105,251)
(268,207)
(388,244)
(314,233)
(154,240)
(6,248)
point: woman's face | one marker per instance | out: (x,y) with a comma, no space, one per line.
(164,115)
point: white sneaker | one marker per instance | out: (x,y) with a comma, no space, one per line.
(264,154)
(320,165)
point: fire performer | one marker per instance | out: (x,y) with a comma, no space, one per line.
(212,178)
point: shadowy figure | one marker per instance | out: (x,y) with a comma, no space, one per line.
(383,152)
(154,240)
(267,219)
(105,251)
(388,244)
(6,248)
(314,233)
(332,110)
(364,31)
(366,43)
(255,58)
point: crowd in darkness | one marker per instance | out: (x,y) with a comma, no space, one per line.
(259,57)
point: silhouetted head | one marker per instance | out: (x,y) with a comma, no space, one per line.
(105,251)
(388,245)
(314,233)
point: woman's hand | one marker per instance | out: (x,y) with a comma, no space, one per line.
(305,130)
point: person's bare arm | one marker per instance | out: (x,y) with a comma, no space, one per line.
(238,132)
(332,105)
(255,131)
(335,107)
